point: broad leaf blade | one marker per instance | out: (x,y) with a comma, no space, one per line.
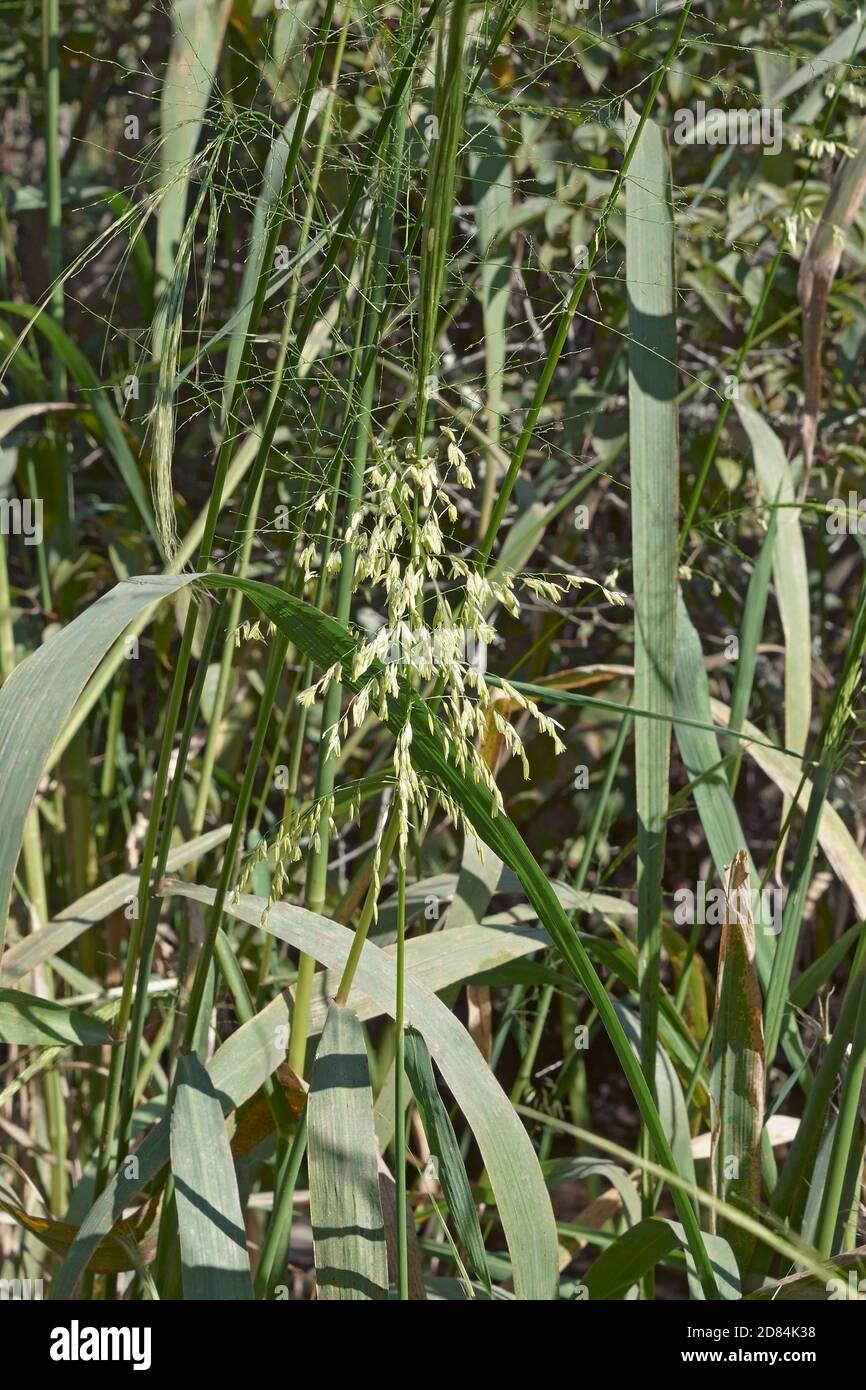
(641,1248)
(33,1022)
(654,454)
(199,27)
(35,704)
(129,1246)
(345,1208)
(210,1222)
(790,572)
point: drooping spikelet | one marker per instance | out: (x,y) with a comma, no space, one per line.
(434,636)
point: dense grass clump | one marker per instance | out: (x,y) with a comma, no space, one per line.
(431,637)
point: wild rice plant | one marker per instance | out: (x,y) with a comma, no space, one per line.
(432,627)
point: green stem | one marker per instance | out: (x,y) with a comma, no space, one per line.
(400,1088)
(847,1125)
(389,840)
(54,202)
(279,1234)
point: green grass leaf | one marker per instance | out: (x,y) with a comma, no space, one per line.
(641,1248)
(33,1022)
(345,1207)
(210,1222)
(790,573)
(38,697)
(654,465)
(443,1144)
(699,749)
(237,1070)
(751,628)
(198,30)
